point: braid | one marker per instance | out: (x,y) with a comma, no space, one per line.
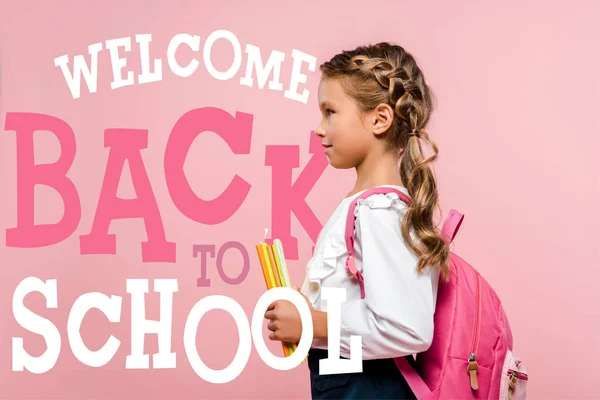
(386,73)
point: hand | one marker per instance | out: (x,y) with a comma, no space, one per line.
(285,323)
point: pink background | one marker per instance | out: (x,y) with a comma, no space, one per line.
(517,126)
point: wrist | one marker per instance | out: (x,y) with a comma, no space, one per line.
(319,319)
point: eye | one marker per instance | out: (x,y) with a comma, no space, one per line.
(329,111)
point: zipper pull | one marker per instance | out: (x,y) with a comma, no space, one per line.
(513,380)
(472,371)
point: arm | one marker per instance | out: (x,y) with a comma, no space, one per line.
(319,319)
(396,316)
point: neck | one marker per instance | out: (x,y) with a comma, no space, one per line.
(376,170)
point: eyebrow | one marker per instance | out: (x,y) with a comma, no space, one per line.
(324,104)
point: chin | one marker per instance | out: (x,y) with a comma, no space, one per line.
(340,164)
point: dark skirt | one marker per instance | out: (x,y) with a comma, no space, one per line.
(380,379)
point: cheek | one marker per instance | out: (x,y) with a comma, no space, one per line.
(336,130)
(342,134)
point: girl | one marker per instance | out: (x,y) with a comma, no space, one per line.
(375,106)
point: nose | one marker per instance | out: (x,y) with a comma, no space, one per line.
(320,131)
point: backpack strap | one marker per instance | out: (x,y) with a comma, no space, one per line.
(449,230)
(452,225)
(349,235)
(414,380)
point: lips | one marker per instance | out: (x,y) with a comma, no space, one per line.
(326,145)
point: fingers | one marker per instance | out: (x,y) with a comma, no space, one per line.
(275,333)
(271,311)
(273,325)
(271,315)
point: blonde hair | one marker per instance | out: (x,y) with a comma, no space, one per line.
(386,74)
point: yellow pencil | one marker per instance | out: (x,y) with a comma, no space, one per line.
(282,267)
(267,268)
(280,280)
(274,267)
(265,253)
(263,265)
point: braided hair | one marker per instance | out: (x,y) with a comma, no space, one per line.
(386,74)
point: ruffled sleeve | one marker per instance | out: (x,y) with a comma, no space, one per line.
(396,316)
(330,248)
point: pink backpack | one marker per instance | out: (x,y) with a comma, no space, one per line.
(471,355)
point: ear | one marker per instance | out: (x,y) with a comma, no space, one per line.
(381,119)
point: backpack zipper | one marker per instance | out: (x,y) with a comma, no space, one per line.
(473,366)
(517,374)
(512,380)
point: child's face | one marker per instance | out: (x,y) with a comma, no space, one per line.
(343,127)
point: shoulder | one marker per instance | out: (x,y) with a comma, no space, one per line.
(389,200)
(382,204)
(380,214)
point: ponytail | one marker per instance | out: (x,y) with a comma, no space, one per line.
(419,180)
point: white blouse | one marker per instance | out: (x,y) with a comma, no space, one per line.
(396,316)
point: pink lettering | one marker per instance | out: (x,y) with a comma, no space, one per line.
(237,133)
(287,197)
(125,144)
(26,234)
(204,250)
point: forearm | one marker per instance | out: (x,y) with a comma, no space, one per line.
(319,319)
